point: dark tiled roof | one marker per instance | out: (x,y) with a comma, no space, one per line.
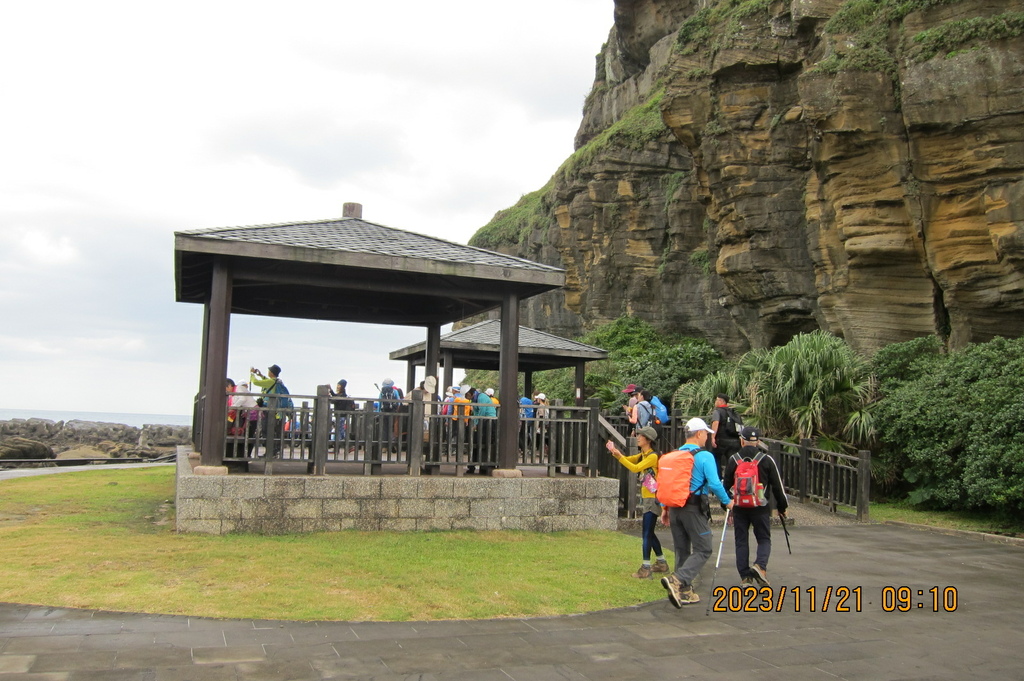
(489,333)
(354,235)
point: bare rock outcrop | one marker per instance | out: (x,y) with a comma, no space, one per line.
(748,171)
(115,440)
(23,448)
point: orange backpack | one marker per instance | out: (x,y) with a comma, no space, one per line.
(674,472)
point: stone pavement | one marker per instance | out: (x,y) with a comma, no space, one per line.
(981,638)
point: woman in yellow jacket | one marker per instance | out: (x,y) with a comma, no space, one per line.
(646,462)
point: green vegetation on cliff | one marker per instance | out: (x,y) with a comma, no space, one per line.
(637,127)
(867,25)
(716,26)
(509,227)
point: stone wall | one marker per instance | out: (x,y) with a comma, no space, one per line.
(285,504)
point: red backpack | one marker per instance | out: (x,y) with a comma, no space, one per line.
(748,490)
(674,472)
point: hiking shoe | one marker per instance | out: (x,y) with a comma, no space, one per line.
(660,566)
(672,586)
(760,574)
(687,596)
(643,573)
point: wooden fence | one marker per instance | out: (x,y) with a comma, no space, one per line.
(320,429)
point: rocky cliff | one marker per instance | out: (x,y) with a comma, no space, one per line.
(747,170)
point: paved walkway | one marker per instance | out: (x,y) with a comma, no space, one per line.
(975,634)
(981,639)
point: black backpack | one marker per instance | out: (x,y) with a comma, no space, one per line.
(389,399)
(730,425)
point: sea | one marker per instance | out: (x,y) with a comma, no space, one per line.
(128,419)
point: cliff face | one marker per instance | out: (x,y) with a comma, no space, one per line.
(749,170)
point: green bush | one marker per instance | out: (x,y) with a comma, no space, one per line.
(901,362)
(951,434)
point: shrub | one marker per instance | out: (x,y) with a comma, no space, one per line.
(951,433)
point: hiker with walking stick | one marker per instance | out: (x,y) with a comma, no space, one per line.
(753,476)
(684,479)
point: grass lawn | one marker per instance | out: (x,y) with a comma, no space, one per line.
(101,539)
(956,520)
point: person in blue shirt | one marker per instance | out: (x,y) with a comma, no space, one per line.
(691,524)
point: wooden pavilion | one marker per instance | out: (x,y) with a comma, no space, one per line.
(348,269)
(479,347)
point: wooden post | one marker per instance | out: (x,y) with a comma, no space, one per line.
(594,436)
(216,366)
(631,479)
(863,485)
(508,369)
(433,353)
(581,379)
(414,447)
(449,372)
(321,429)
(805,469)
(410,377)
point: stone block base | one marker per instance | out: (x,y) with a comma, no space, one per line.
(286,504)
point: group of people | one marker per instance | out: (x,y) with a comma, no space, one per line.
(726,460)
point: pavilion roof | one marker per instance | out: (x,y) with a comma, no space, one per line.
(350,269)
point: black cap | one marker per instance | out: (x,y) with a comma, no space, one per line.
(750,434)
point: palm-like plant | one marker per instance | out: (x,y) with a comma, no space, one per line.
(814,386)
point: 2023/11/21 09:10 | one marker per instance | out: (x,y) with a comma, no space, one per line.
(830,599)
(904,599)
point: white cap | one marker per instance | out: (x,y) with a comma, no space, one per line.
(541,396)
(490,392)
(695,424)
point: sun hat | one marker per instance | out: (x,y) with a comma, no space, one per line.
(648,432)
(695,424)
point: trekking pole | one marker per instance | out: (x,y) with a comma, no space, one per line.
(782,518)
(721,545)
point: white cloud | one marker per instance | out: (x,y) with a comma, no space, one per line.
(127,121)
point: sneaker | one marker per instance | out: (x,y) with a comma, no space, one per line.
(672,586)
(660,566)
(760,574)
(643,573)
(748,581)
(687,596)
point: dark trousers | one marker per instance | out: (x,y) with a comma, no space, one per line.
(724,451)
(650,538)
(691,535)
(761,520)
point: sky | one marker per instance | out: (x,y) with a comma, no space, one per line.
(124,122)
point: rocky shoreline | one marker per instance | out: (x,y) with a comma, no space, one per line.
(37,438)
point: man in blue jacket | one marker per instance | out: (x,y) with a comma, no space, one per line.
(691,524)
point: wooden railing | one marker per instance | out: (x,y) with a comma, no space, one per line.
(812,475)
(827,478)
(320,429)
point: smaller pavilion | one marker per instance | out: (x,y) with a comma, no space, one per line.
(479,347)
